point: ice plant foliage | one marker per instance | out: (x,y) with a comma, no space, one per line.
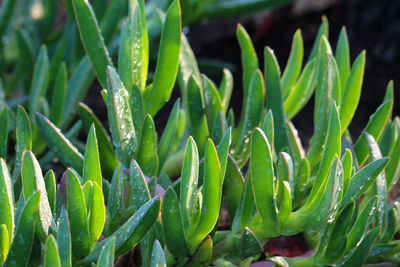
(132,187)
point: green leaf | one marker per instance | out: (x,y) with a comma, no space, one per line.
(67,153)
(293,65)
(77,214)
(347,161)
(169,133)
(106,151)
(322,31)
(91,165)
(212,101)
(361,181)
(133,49)
(245,207)
(32,180)
(4,243)
(39,82)
(157,256)
(360,226)
(225,89)
(4,133)
(64,239)
(250,117)
(262,180)
(249,245)
(249,61)
(295,145)
(392,171)
(140,190)
(51,256)
(129,234)
(58,97)
(114,204)
(274,98)
(97,214)
(212,195)
(7,10)
(342,56)
(50,183)
(187,65)
(23,140)
(203,254)
(352,91)
(360,252)
(223,151)
(6,200)
(330,149)
(120,117)
(375,126)
(189,180)
(147,156)
(167,63)
(172,224)
(233,186)
(92,39)
(302,90)
(106,257)
(137,108)
(21,246)
(78,85)
(197,118)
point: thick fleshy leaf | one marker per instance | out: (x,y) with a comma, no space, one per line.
(322,31)
(169,133)
(106,151)
(92,39)
(167,63)
(195,108)
(212,196)
(91,163)
(172,224)
(50,183)
(203,254)
(21,246)
(347,161)
(225,89)
(39,82)
(133,48)
(212,101)
(262,179)
(120,117)
(96,214)
(392,171)
(147,156)
(361,181)
(352,91)
(293,65)
(7,9)
(67,153)
(115,202)
(233,186)
(23,140)
(188,185)
(249,245)
(342,56)
(187,65)
(245,207)
(274,99)
(3,133)
(302,90)
(77,214)
(64,239)
(4,243)
(6,200)
(131,232)
(58,96)
(140,190)
(251,117)
(157,256)
(375,126)
(32,180)
(51,256)
(106,257)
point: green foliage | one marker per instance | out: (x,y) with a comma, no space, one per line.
(164,192)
